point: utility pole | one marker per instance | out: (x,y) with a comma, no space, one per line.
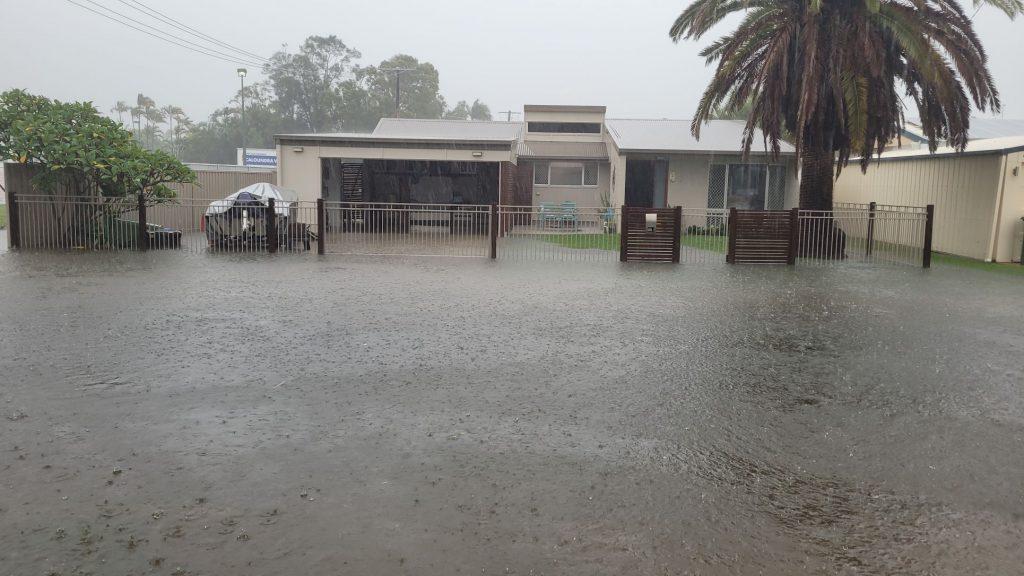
(508,114)
(398,86)
(241,75)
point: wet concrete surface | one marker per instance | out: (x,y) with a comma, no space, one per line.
(189,414)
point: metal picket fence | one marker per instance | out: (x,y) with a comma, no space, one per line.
(407,229)
(869,233)
(562,233)
(55,222)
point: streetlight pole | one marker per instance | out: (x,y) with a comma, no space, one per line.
(241,76)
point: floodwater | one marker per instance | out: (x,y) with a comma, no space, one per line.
(215,414)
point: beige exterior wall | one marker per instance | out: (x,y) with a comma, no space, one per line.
(616,171)
(592,117)
(216,184)
(300,171)
(583,196)
(964,190)
(1010,229)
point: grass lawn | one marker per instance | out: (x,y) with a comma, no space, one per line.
(584,241)
(963,262)
(611,241)
(3,216)
(721,243)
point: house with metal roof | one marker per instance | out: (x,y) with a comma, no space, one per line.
(556,154)
(978,193)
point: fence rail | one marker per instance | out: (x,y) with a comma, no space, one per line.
(407,229)
(559,233)
(89,223)
(898,235)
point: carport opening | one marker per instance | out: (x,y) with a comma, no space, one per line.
(410,181)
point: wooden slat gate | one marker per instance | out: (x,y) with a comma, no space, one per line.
(763,236)
(638,242)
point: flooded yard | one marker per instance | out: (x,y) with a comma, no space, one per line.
(215,414)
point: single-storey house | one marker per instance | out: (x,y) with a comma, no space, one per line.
(978,194)
(556,154)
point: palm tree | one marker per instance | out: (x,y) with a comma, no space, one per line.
(120,108)
(171,113)
(136,117)
(833,74)
(153,117)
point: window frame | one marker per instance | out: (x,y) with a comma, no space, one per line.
(582,164)
(726,187)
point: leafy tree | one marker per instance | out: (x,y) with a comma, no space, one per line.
(463,111)
(459,112)
(319,88)
(420,89)
(307,85)
(480,111)
(73,143)
(832,72)
(216,139)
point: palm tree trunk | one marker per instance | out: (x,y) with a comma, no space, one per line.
(820,235)
(817,177)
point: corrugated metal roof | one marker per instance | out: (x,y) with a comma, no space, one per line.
(674,136)
(981,128)
(448,129)
(986,146)
(563,150)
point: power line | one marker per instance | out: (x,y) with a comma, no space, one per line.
(169,38)
(188,29)
(200,46)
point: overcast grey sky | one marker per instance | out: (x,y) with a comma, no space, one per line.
(508,54)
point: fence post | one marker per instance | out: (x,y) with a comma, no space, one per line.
(143,229)
(794,236)
(622,234)
(926,260)
(677,231)
(320,227)
(13,224)
(731,253)
(871,229)
(271,216)
(494,231)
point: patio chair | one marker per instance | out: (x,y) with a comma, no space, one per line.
(569,215)
(548,212)
(608,220)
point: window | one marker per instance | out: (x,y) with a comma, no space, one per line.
(564,127)
(540,173)
(747,186)
(565,173)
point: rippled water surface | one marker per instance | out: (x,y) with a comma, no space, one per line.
(288,415)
